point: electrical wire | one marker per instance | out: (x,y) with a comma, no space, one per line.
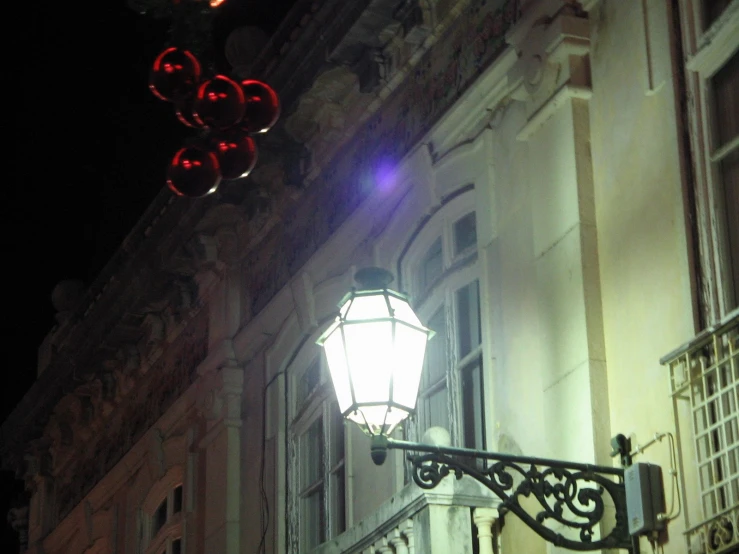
(676,488)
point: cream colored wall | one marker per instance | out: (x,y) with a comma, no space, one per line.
(581,238)
(645,276)
(586,273)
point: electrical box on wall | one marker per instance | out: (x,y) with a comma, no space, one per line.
(645,498)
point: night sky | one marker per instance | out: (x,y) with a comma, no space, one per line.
(90,147)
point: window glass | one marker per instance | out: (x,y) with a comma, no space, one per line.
(338,495)
(311,454)
(469,333)
(465,233)
(311,520)
(730,174)
(712,9)
(337,436)
(309,381)
(436,350)
(177,500)
(473,414)
(160,517)
(725,85)
(431,267)
(336,470)
(436,407)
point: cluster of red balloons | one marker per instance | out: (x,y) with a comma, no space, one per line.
(232,111)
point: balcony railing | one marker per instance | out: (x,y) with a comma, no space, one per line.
(447,520)
(704,375)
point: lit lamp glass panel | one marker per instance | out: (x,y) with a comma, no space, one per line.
(375,351)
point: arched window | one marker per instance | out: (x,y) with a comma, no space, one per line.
(161,516)
(318,455)
(439,268)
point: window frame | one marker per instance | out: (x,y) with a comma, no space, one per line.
(161,540)
(706,51)
(458,270)
(444,298)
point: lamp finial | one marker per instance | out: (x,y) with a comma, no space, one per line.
(373,278)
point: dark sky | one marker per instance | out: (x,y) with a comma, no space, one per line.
(90,145)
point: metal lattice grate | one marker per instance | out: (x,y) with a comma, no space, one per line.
(705,372)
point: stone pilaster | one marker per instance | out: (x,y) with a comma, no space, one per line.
(553,75)
(220,405)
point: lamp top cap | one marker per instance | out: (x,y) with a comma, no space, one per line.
(371,278)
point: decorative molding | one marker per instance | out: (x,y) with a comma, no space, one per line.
(553,65)
(567,92)
(168,378)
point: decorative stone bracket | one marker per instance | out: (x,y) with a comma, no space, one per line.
(553,43)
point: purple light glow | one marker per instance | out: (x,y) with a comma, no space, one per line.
(386,175)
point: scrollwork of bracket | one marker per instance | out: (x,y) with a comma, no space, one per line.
(573,497)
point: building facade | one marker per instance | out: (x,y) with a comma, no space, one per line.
(554,183)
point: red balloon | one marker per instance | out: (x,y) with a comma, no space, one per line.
(193,172)
(237,155)
(262,107)
(219,103)
(175,72)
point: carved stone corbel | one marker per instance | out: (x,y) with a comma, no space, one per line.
(552,40)
(221,396)
(320,118)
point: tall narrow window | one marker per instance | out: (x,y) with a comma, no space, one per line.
(469,339)
(162,534)
(725,84)
(319,476)
(336,471)
(711,45)
(451,390)
(312,515)
(705,372)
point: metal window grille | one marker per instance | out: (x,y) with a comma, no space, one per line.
(705,373)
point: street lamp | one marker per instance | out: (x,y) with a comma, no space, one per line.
(375,350)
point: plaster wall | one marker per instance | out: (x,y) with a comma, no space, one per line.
(642,245)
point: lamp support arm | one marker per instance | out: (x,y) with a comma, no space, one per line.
(587,500)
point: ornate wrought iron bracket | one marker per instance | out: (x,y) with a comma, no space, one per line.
(588,499)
